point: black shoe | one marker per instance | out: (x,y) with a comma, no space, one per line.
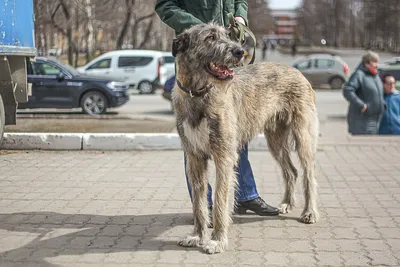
(258,206)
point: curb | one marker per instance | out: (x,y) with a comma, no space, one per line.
(150,141)
(41,141)
(93,117)
(101,141)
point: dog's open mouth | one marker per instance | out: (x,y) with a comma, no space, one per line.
(220,71)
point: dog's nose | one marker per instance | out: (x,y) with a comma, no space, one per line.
(238,52)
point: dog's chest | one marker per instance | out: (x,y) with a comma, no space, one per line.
(198,136)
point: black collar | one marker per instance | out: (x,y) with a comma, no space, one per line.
(199,93)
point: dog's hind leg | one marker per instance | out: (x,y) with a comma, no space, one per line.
(278,144)
(197,174)
(223,195)
(306,137)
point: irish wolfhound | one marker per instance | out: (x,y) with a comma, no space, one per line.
(218,110)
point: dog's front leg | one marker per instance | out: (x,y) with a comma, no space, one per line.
(197,174)
(221,212)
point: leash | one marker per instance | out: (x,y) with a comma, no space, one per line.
(237,33)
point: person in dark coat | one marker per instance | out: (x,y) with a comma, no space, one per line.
(364,92)
(264,49)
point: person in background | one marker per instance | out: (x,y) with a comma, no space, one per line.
(294,49)
(264,48)
(364,92)
(390,123)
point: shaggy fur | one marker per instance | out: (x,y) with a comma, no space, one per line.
(266,97)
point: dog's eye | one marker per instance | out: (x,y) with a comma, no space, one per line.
(211,37)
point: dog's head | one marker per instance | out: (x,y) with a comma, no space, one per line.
(206,49)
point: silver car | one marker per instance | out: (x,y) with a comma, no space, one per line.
(323,69)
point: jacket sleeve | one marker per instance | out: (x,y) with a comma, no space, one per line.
(350,89)
(241,9)
(174,16)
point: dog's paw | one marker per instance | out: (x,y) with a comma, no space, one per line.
(309,217)
(190,241)
(285,208)
(214,246)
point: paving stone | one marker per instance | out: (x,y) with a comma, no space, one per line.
(383,258)
(355,259)
(119,257)
(394,244)
(379,245)
(300,246)
(303,259)
(329,258)
(277,258)
(115,209)
(325,245)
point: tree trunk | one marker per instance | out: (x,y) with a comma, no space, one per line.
(90,32)
(76,35)
(147,34)
(129,4)
(135,30)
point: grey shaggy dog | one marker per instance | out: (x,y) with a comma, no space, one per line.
(218,110)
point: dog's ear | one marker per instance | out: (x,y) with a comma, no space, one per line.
(180,45)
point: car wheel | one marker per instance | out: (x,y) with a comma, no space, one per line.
(2,119)
(94,103)
(146,87)
(336,83)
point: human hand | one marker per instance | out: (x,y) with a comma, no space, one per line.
(241,20)
(364,108)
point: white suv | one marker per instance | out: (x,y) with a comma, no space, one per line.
(169,63)
(143,70)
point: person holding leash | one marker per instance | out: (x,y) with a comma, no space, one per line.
(182,14)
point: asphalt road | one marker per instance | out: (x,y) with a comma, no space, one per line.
(330,102)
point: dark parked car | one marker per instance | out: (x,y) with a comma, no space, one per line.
(167,89)
(168,86)
(57,85)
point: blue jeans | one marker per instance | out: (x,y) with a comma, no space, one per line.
(247,189)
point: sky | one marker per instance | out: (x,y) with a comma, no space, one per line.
(283,3)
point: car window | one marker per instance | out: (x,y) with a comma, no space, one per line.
(303,65)
(132,61)
(101,64)
(29,68)
(43,68)
(169,60)
(323,63)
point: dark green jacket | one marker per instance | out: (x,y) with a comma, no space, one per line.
(364,88)
(182,14)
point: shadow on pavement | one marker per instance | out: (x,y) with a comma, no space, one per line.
(61,113)
(158,112)
(336,117)
(87,233)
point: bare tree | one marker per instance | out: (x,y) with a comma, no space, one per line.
(259,16)
(357,23)
(68,33)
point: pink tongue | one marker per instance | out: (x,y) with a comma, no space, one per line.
(224,72)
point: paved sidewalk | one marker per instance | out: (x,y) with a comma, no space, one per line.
(129,209)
